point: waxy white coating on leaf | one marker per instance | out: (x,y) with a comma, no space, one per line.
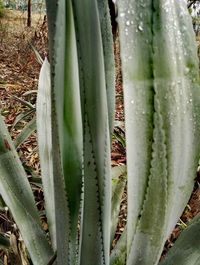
(159,64)
(17,194)
(43,121)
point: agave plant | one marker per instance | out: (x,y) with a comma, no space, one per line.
(75,111)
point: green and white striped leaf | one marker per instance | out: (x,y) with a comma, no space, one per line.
(97,180)
(61,204)
(17,194)
(177,82)
(150,231)
(43,121)
(160,73)
(67,125)
(69,118)
(136,56)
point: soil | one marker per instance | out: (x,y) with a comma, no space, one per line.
(19,74)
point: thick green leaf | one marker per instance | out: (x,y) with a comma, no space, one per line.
(186,250)
(136,55)
(97,180)
(43,114)
(25,133)
(17,194)
(160,73)
(109,63)
(177,83)
(151,228)
(67,126)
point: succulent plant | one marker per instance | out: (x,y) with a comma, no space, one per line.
(75,111)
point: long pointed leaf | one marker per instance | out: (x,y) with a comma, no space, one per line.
(108,50)
(37,55)
(69,118)
(160,69)
(186,250)
(43,113)
(67,124)
(22,116)
(17,194)
(176,79)
(150,231)
(97,180)
(136,55)
(25,133)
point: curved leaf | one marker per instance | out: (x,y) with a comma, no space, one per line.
(17,194)
(29,128)
(186,250)
(22,116)
(37,55)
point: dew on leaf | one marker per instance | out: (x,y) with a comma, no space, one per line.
(140,26)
